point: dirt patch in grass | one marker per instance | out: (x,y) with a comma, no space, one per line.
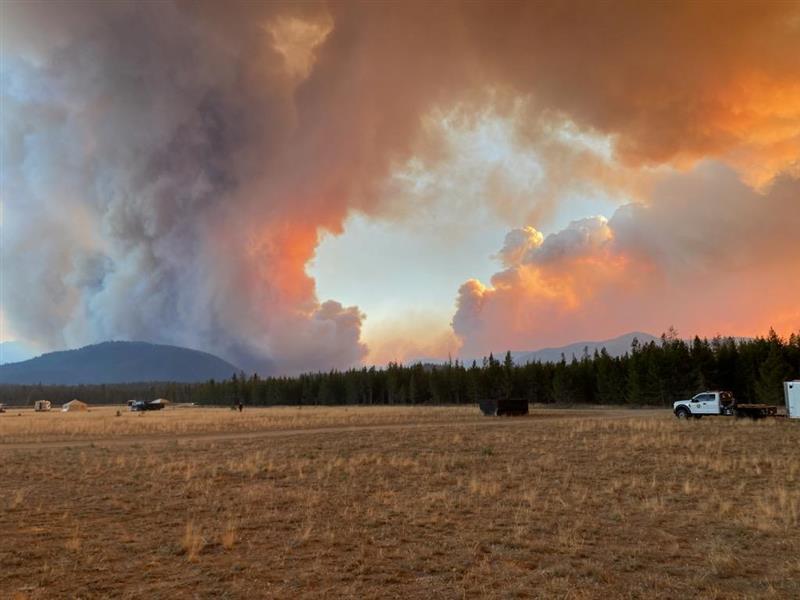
(578,505)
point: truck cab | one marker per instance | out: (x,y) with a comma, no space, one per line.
(705,403)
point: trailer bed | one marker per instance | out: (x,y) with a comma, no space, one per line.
(756,411)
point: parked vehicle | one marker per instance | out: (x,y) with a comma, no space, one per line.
(142,405)
(721,404)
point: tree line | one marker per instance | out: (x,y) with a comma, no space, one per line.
(650,374)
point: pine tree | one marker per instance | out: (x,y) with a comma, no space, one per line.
(507,386)
(773,372)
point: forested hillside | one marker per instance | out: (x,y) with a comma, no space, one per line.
(654,374)
(116,363)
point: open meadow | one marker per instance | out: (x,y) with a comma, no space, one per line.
(386,502)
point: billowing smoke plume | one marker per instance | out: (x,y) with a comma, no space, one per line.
(168,166)
(156,186)
(708,253)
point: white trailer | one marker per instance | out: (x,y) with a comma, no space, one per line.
(42,405)
(792,391)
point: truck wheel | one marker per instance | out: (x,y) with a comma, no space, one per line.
(698,416)
(683,413)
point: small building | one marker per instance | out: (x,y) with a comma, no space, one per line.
(75,406)
(42,405)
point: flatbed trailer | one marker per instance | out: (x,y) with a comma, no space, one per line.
(755,411)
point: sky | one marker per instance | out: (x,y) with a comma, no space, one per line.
(307,186)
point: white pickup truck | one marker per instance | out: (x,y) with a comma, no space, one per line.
(720,403)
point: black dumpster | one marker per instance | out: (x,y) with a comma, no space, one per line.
(505,407)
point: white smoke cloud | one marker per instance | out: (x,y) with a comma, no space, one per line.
(518,244)
(583,237)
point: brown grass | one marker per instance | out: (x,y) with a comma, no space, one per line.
(25,425)
(576,505)
(228,536)
(192,541)
(73,543)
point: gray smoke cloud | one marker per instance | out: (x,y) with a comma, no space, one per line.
(141,199)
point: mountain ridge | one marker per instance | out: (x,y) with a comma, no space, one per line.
(616,346)
(118,362)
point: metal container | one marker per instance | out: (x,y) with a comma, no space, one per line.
(504,407)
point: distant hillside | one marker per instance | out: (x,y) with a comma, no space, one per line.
(11,352)
(118,362)
(615,347)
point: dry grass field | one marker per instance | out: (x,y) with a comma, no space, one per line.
(397,502)
(25,426)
